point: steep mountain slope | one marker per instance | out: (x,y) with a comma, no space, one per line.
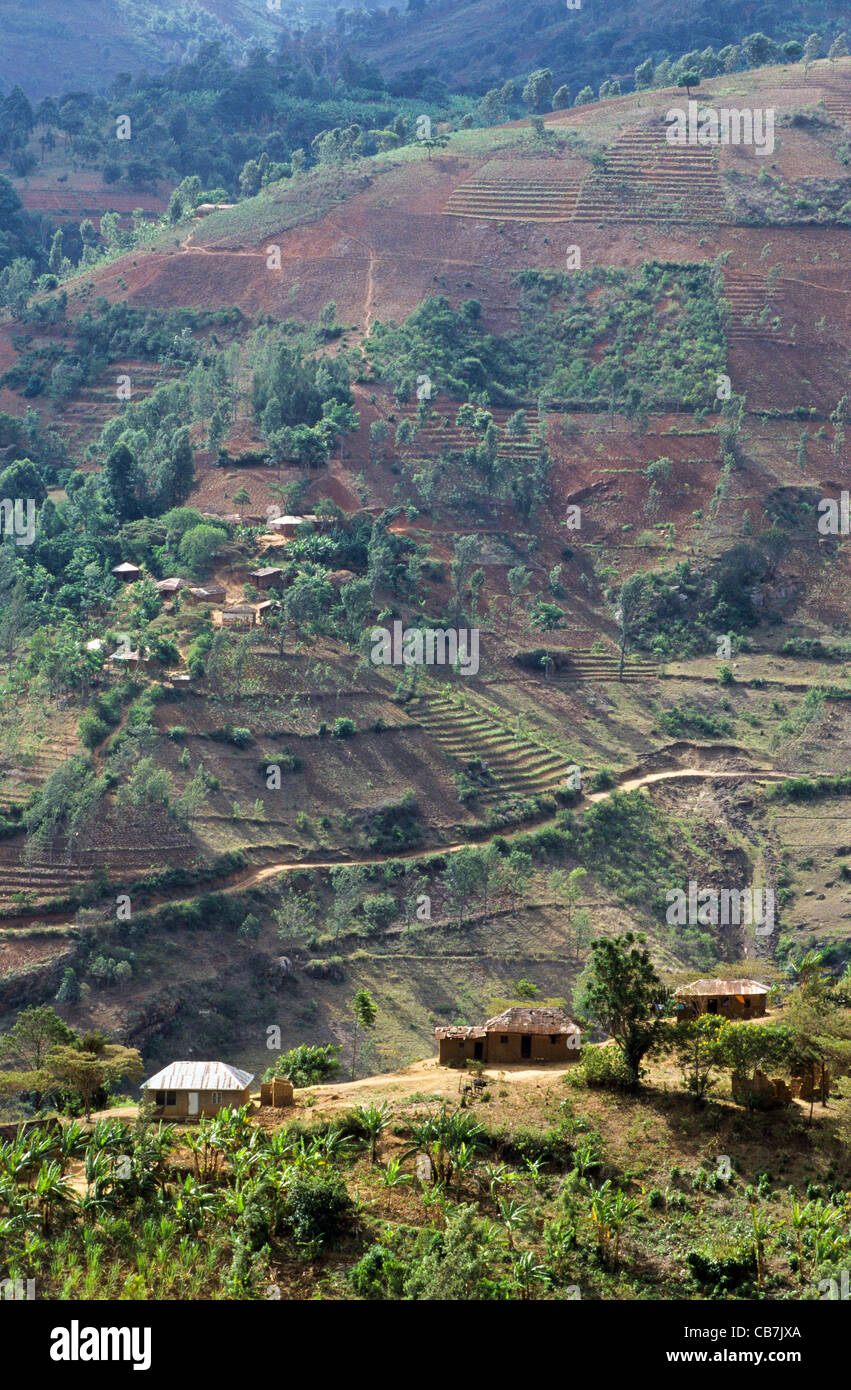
(477,43)
(54,47)
(739,265)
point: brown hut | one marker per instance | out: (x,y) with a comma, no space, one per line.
(237,615)
(729,998)
(277,1093)
(170,586)
(210,593)
(286,526)
(518,1035)
(127,573)
(267,578)
(191,1089)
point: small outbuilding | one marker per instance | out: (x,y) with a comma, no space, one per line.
(518,1035)
(267,578)
(170,586)
(209,593)
(286,526)
(188,1090)
(729,998)
(237,615)
(127,573)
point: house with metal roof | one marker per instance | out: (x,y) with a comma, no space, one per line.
(187,1090)
(126,572)
(517,1035)
(729,998)
(267,577)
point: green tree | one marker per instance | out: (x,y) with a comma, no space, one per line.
(28,1043)
(694,1042)
(199,545)
(538,90)
(307,1065)
(364,1014)
(628,614)
(92,1065)
(621,991)
(812,49)
(644,74)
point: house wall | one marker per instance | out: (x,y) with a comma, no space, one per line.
(493,1050)
(206,1104)
(731,1007)
(542,1048)
(461,1049)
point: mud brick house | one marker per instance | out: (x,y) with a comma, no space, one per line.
(187,1090)
(518,1035)
(729,998)
(127,573)
(269,577)
(238,615)
(210,593)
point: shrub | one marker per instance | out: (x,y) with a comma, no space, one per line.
(379,1274)
(306,1065)
(92,731)
(343,728)
(604,1067)
(318,1207)
(380,910)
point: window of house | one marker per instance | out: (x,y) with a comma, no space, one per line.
(218,1097)
(503,1037)
(554,1038)
(166,1098)
(160,1098)
(747,1002)
(461,1044)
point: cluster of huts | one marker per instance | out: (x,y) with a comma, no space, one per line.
(189,1090)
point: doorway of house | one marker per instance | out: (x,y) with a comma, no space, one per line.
(526,1045)
(193,1102)
(478,1050)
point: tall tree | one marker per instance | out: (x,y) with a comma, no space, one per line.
(621,991)
(27,1045)
(364,1014)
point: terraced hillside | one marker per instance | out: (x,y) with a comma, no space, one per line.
(749,296)
(516,199)
(464,731)
(645,178)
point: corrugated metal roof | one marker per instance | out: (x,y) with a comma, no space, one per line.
(522,1020)
(199,1076)
(713,987)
